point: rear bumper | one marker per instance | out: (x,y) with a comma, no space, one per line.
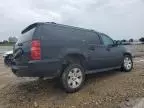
(37,69)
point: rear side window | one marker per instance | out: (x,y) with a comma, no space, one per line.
(26,36)
(66,33)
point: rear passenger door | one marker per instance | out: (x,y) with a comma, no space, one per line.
(95,51)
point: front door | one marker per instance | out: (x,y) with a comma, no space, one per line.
(111,53)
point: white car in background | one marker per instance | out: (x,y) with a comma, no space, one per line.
(8,57)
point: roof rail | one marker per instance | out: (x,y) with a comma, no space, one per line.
(51,22)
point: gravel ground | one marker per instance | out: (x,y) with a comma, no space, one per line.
(112,89)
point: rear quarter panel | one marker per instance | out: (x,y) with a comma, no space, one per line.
(57,41)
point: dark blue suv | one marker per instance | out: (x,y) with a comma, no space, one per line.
(69,53)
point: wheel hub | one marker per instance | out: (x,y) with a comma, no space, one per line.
(127,63)
(74,78)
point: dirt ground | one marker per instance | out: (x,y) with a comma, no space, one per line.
(114,89)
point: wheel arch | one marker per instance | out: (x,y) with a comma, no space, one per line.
(75,56)
(128,53)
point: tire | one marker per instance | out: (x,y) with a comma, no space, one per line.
(127,64)
(8,60)
(73,78)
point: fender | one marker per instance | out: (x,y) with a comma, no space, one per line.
(129,53)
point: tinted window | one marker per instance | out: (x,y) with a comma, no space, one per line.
(26,36)
(107,40)
(92,37)
(52,32)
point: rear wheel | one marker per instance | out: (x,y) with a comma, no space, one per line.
(127,63)
(73,78)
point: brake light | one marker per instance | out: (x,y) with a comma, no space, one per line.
(35,50)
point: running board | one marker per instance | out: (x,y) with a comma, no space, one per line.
(102,70)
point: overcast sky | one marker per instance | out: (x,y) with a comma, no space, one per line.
(117,18)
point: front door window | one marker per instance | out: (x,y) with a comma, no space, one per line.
(107,40)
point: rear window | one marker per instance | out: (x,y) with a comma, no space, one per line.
(27,36)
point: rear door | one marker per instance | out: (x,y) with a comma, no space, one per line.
(22,47)
(95,51)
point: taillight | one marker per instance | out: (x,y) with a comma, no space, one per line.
(35,50)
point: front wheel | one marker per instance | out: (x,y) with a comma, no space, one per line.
(73,78)
(127,63)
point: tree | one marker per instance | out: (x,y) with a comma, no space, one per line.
(141,39)
(131,40)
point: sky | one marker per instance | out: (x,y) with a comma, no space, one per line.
(120,19)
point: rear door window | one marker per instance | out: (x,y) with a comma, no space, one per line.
(92,37)
(26,36)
